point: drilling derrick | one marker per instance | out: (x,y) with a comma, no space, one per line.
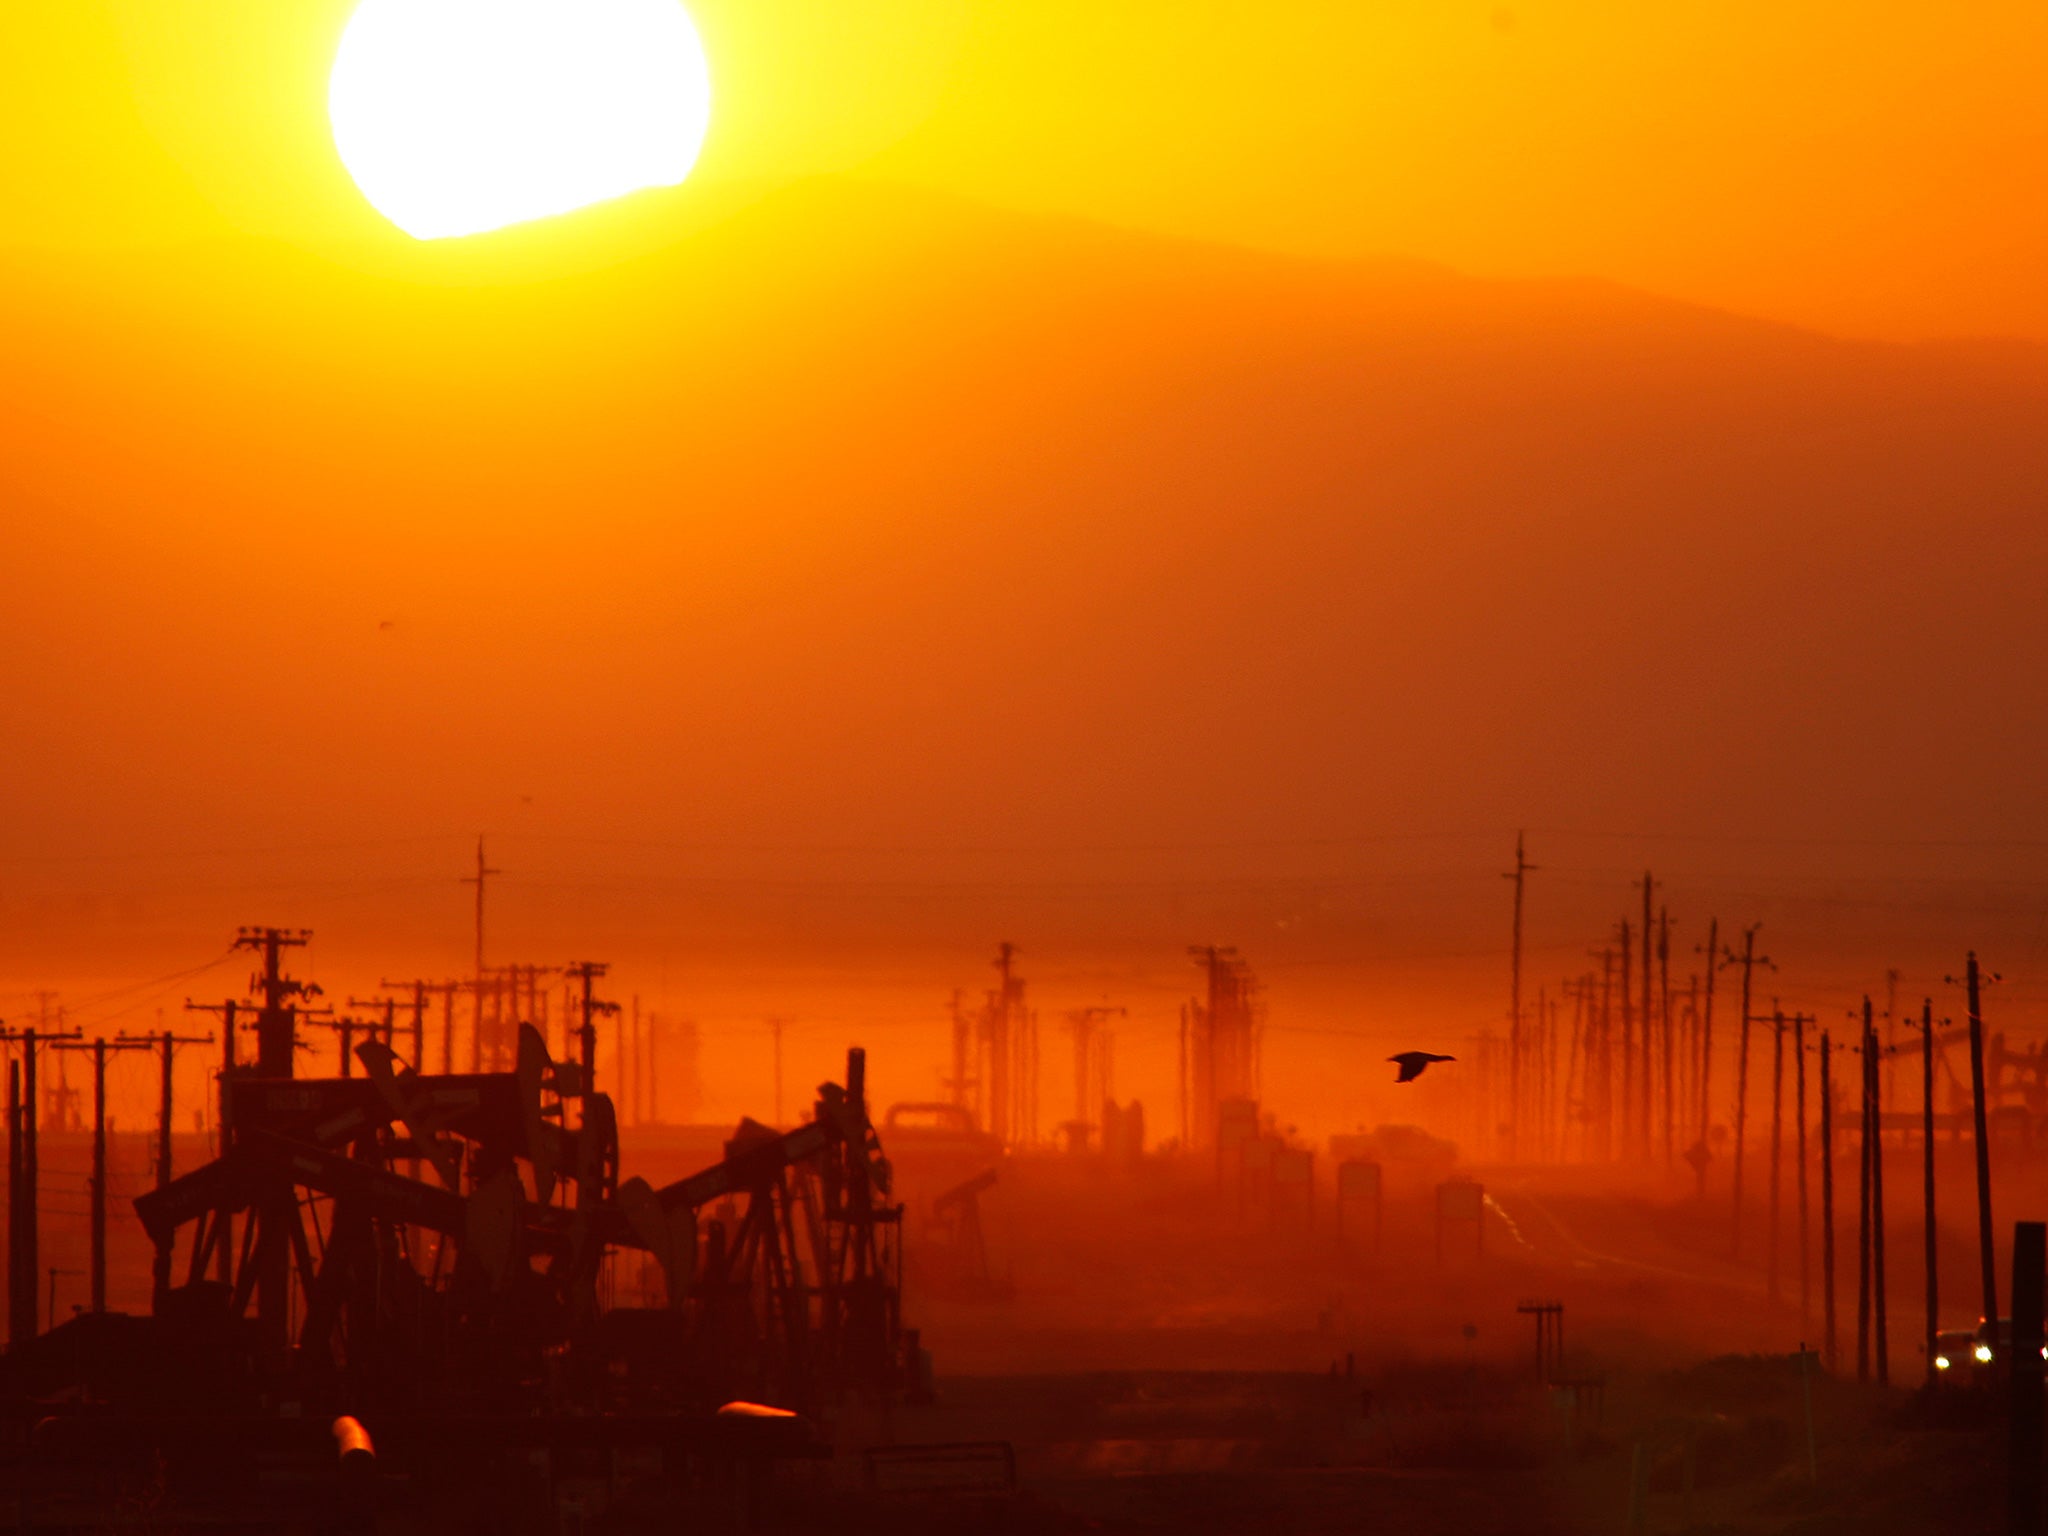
(1008,1070)
(1223,1038)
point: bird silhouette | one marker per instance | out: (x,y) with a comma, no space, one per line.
(1413,1064)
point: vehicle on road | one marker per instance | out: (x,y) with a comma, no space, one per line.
(1972,1354)
(1955,1352)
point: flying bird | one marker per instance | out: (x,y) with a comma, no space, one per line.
(1413,1064)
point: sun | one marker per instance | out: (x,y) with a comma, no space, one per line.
(459,116)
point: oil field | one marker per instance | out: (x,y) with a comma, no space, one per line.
(434,1257)
(957,765)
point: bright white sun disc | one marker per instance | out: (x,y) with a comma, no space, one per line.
(458,116)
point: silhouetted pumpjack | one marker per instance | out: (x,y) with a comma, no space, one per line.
(1414,1063)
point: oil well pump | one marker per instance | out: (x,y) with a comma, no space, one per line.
(402,1242)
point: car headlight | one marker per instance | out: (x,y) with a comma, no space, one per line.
(1941,1362)
(1983,1353)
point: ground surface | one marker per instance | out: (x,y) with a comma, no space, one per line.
(1161,1355)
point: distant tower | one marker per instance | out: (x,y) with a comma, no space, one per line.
(1223,1038)
(1009,1056)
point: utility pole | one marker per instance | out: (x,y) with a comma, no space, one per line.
(1927,1175)
(1777,1144)
(276,1045)
(24,1209)
(570,1048)
(1649,1014)
(277,1019)
(1664,1024)
(1749,961)
(1891,1027)
(419,991)
(1973,981)
(17,1336)
(1877,1266)
(1628,1042)
(1581,994)
(588,972)
(227,1011)
(1706,1074)
(1863,1211)
(1605,1022)
(1827,1198)
(1799,1023)
(223,1249)
(345,1031)
(164,1043)
(448,989)
(97,1186)
(22,1202)
(1519,874)
(484,871)
(389,1027)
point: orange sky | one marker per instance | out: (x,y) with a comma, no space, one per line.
(1024,487)
(1866,169)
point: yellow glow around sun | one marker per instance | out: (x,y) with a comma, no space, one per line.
(458,116)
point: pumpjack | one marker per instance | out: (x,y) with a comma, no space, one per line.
(400,1243)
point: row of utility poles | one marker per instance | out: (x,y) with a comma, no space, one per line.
(1872,1311)
(24,1166)
(1635,1078)
(1872,1319)
(510,995)
(285,1007)
(1615,1112)
(1632,1076)
(514,995)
